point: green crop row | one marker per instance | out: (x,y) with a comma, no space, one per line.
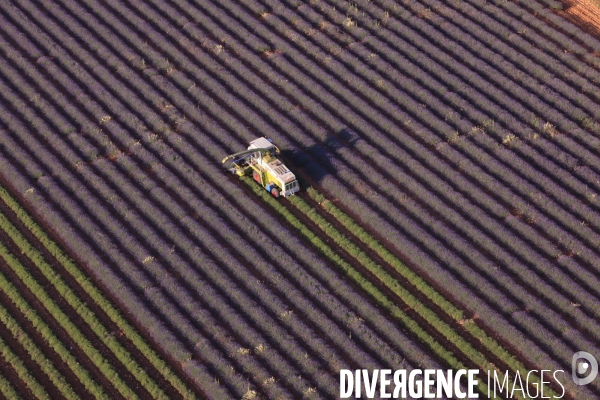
(390,282)
(387,256)
(379,297)
(44,330)
(84,312)
(6,388)
(63,320)
(11,358)
(100,300)
(36,354)
(419,283)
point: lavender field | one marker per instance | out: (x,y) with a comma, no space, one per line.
(460,138)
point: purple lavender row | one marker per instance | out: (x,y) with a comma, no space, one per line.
(537,86)
(588,214)
(56,214)
(536,39)
(567,32)
(41,154)
(570,202)
(136,251)
(481,85)
(580,102)
(138,254)
(412,52)
(567,202)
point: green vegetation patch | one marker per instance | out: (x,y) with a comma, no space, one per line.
(99,299)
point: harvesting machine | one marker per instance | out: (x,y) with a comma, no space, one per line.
(260,161)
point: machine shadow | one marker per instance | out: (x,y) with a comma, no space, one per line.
(317,161)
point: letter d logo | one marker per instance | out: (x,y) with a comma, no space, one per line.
(581,367)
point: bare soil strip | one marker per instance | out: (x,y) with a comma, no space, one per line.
(98,312)
(97,375)
(585,13)
(6,368)
(261,113)
(456,325)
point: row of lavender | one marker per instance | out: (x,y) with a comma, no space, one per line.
(593,236)
(507,239)
(565,304)
(158,226)
(137,253)
(475,195)
(547,184)
(249,114)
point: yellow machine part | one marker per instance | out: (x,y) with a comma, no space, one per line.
(240,171)
(266,177)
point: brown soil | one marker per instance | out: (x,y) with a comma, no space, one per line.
(58,331)
(413,314)
(8,371)
(99,313)
(585,13)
